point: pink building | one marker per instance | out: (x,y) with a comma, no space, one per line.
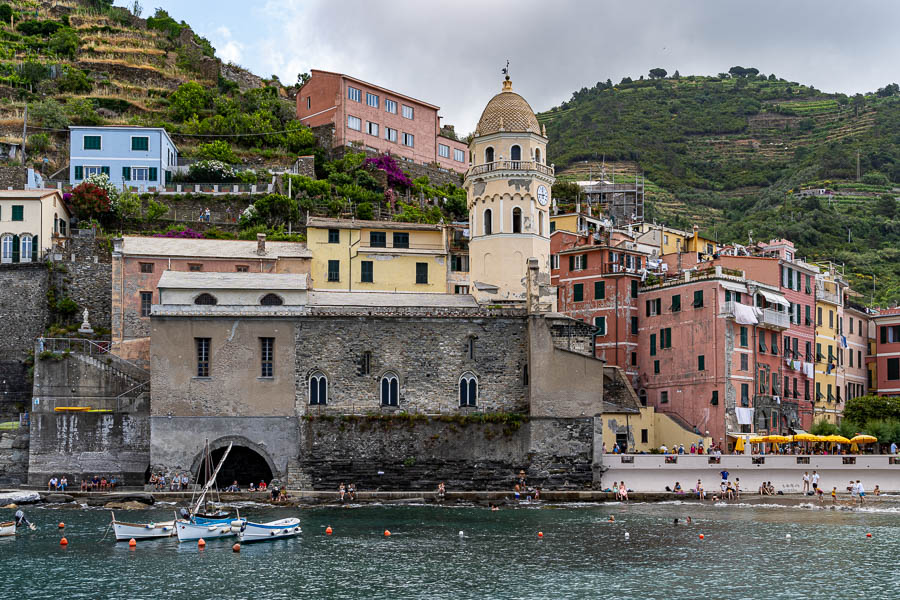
(597,279)
(710,353)
(379,119)
(887,352)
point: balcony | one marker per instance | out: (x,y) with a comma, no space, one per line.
(774,319)
(826,296)
(404,249)
(511,165)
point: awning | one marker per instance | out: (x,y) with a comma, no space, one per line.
(734,287)
(775,298)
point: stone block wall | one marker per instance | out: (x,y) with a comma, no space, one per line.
(436,175)
(83,273)
(15,389)
(23,307)
(13,178)
(14,456)
(417,454)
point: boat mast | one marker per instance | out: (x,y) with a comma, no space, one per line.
(210,482)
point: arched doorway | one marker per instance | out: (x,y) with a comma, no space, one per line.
(242,465)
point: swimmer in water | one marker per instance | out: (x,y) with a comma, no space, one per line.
(675,522)
(689,521)
(611,519)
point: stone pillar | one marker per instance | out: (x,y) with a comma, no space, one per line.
(597,466)
(261,244)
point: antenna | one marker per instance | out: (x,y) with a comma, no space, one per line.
(505,70)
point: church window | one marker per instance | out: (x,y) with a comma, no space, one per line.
(318,388)
(390,389)
(206,299)
(488,222)
(202,345)
(489,154)
(537,155)
(540,223)
(517,220)
(271,300)
(515,153)
(468,390)
(470,347)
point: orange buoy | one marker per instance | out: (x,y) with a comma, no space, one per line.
(328,530)
(201,543)
(62,525)
(701,536)
(236,547)
(64,542)
(868,535)
(540,534)
(132,543)
(387,533)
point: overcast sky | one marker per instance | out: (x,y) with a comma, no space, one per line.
(451,53)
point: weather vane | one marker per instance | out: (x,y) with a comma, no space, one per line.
(505,70)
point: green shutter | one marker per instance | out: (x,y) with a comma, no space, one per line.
(105,171)
(34,249)
(578,292)
(126,173)
(652,344)
(16,249)
(152,174)
(79,172)
(18,213)
(571,263)
(599,290)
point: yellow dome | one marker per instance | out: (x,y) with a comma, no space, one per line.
(507,111)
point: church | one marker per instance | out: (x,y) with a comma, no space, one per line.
(391,390)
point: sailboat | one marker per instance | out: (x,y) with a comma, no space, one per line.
(142,531)
(199,525)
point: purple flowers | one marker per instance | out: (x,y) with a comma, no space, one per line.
(395,176)
(186,233)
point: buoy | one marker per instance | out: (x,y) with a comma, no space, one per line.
(788,536)
(64,542)
(701,536)
(868,535)
(461,534)
(540,534)
(62,525)
(328,530)
(236,547)
(627,535)
(387,533)
(201,543)
(132,543)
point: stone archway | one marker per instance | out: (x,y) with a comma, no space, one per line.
(247,462)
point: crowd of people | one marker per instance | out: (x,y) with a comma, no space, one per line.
(176,483)
(90,484)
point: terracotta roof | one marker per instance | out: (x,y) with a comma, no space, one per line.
(510,112)
(193,248)
(323,222)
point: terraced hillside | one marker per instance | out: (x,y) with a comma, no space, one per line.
(731,153)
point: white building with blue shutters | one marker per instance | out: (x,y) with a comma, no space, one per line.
(138,158)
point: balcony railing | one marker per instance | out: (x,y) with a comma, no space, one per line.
(826,296)
(774,318)
(510,165)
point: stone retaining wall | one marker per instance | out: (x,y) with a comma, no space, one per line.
(23,307)
(14,456)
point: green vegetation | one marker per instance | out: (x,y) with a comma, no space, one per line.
(873,415)
(730,153)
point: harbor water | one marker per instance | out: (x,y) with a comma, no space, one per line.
(744,553)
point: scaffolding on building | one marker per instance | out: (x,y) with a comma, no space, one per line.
(620,201)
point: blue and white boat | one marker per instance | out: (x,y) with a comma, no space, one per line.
(274,530)
(197,525)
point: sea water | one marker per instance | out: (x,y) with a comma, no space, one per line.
(744,553)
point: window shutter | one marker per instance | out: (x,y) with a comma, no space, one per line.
(126,173)
(16,249)
(34,249)
(648,308)
(152,173)
(571,263)
(79,172)
(105,171)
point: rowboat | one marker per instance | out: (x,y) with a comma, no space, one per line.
(7,528)
(126,531)
(274,530)
(198,527)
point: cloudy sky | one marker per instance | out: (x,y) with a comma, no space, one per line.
(451,53)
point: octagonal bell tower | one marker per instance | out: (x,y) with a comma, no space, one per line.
(508,188)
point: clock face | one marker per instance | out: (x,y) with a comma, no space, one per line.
(542,195)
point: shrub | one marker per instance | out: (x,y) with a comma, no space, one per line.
(75,81)
(82,111)
(38,142)
(5,13)
(88,200)
(102,181)
(395,176)
(875,178)
(217,150)
(247,176)
(155,210)
(180,231)
(214,233)
(189,99)
(50,113)
(273,210)
(127,205)
(65,42)
(44,28)
(66,307)
(210,171)
(365,211)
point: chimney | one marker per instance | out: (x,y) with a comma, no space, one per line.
(532,287)
(261,244)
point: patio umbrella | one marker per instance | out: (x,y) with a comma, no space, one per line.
(864,439)
(838,439)
(806,437)
(779,439)
(759,439)
(739,445)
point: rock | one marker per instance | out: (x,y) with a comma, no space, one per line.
(58,498)
(11,506)
(19,497)
(129,505)
(136,497)
(95,501)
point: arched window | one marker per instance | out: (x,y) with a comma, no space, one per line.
(468,390)
(318,388)
(489,154)
(55,222)
(515,153)
(537,155)
(470,347)
(26,246)
(390,389)
(6,248)
(62,227)
(488,222)
(271,300)
(517,220)
(206,299)
(540,223)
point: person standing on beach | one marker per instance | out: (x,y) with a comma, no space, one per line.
(861,492)
(815,480)
(805,482)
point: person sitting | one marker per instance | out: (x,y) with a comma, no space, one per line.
(623,491)
(84,485)
(877,490)
(615,488)
(251,488)
(51,485)
(729,491)
(351,491)
(262,486)
(762,489)
(103,483)
(677,489)
(112,483)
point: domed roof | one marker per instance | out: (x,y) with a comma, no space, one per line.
(507,111)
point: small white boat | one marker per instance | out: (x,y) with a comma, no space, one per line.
(126,531)
(207,529)
(7,528)
(274,530)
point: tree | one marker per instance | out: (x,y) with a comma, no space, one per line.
(136,8)
(676,75)
(217,150)
(737,71)
(625,80)
(189,99)
(302,78)
(870,408)
(5,13)
(275,210)
(886,206)
(658,73)
(88,201)
(65,42)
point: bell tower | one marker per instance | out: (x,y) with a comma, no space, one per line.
(508,196)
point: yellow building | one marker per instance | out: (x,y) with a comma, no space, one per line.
(644,429)
(508,189)
(829,380)
(574,223)
(378,256)
(29,221)
(668,240)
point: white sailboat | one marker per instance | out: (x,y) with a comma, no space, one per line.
(142,531)
(273,530)
(197,526)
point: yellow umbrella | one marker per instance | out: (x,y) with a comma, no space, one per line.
(806,437)
(759,440)
(779,439)
(854,448)
(739,445)
(864,439)
(837,439)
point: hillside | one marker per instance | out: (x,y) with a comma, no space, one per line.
(731,153)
